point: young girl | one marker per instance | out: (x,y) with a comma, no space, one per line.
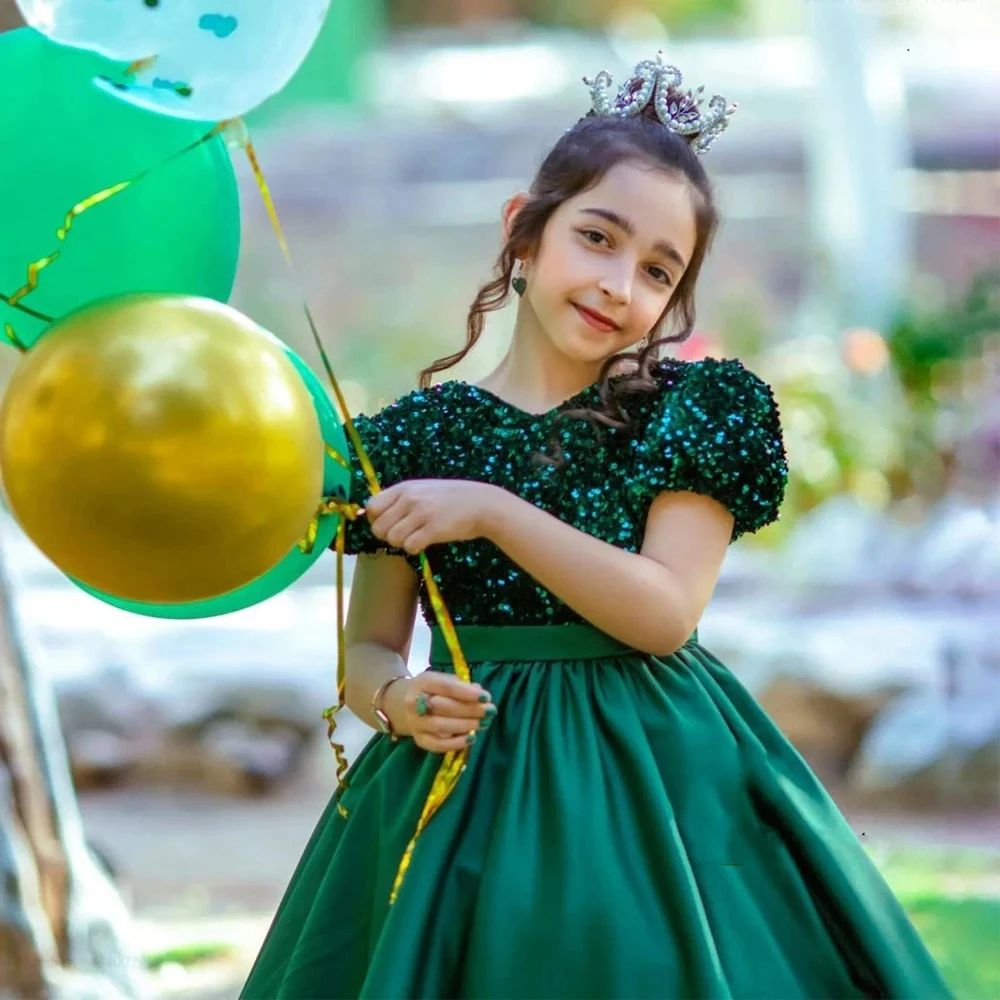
(629,823)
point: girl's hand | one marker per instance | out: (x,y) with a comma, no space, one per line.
(438,710)
(417,513)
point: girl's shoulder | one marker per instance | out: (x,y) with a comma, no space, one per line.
(406,404)
(710,390)
(715,385)
(405,414)
(715,382)
(713,426)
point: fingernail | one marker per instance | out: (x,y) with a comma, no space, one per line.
(470,739)
(484,697)
(490,710)
(485,721)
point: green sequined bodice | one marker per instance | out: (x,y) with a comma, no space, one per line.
(711,427)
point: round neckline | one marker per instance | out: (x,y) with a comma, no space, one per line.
(565,404)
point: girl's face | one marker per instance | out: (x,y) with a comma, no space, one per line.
(609,261)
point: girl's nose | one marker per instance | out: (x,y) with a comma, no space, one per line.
(617,285)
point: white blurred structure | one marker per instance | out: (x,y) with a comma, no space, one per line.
(857,142)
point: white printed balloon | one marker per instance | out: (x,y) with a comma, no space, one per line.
(205,60)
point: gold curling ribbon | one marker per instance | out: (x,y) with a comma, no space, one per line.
(21,307)
(140,65)
(338,458)
(13,338)
(453,762)
(14,301)
(32,283)
(36,267)
(347,512)
(109,192)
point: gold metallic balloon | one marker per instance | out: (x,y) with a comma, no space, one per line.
(161,449)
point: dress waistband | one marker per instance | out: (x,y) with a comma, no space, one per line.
(508,643)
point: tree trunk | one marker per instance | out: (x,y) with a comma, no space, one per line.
(65,933)
(10,17)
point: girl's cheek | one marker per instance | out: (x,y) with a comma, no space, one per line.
(656,307)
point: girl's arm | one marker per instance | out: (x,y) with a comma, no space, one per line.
(651,601)
(378,633)
(379,628)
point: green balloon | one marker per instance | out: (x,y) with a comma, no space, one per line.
(336,482)
(176,230)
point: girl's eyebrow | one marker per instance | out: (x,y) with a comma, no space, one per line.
(663,247)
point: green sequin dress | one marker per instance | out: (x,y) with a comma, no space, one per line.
(630,826)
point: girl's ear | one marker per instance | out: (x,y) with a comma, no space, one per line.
(511,207)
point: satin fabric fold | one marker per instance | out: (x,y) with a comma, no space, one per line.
(628,827)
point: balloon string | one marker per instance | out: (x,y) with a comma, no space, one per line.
(140,65)
(347,512)
(35,268)
(14,302)
(338,458)
(242,138)
(448,773)
(109,192)
(21,307)
(453,763)
(13,338)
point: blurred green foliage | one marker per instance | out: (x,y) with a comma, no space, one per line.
(952,898)
(938,358)
(883,434)
(928,347)
(963,935)
(189,954)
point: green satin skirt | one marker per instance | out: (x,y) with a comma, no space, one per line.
(629,827)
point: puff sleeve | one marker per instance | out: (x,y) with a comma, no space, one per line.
(716,431)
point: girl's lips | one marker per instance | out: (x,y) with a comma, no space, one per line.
(594,320)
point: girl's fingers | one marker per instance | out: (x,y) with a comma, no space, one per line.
(437,682)
(397,533)
(445,728)
(437,745)
(441,705)
(386,522)
(380,502)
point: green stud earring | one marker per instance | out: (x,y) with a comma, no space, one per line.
(519,284)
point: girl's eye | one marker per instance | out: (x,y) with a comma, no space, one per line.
(588,233)
(595,236)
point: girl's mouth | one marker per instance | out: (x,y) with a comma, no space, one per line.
(596,320)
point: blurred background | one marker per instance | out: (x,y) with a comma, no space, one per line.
(857,270)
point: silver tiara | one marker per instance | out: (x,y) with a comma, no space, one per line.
(680,111)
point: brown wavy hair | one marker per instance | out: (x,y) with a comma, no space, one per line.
(578,162)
